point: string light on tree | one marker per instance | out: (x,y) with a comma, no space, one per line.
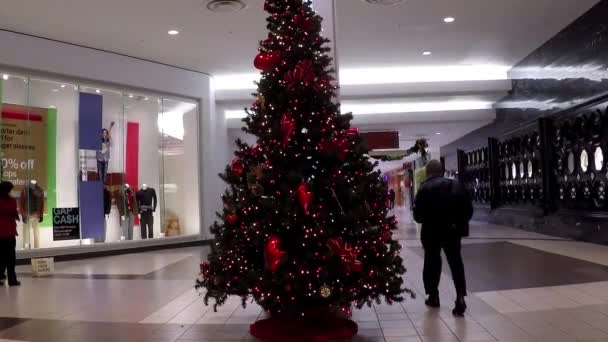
(304,231)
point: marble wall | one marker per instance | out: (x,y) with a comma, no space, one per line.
(570,69)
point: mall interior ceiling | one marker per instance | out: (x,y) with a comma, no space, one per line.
(429,69)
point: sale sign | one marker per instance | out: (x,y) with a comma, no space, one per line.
(23,148)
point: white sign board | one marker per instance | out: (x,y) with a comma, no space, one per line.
(43,266)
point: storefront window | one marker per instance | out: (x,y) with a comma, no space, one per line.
(126,162)
(179,150)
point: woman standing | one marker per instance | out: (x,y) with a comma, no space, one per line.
(8,232)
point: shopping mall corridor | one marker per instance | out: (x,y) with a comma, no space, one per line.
(524,287)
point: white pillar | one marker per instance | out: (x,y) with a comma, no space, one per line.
(214,160)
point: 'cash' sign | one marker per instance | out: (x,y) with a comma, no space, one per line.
(66,224)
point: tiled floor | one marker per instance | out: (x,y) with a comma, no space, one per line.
(525,287)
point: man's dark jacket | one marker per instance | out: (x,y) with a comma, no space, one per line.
(443,206)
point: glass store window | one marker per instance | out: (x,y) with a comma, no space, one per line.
(128,162)
(178,124)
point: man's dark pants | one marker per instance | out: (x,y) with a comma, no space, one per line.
(433,242)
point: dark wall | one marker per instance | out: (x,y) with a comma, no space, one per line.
(568,69)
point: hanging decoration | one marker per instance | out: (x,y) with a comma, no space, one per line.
(301,74)
(421,147)
(273,254)
(254,178)
(304,197)
(265,61)
(325,291)
(237,167)
(232,218)
(288,127)
(204,270)
(306,24)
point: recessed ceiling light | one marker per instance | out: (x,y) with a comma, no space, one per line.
(62,86)
(226,6)
(438,133)
(97,91)
(55,90)
(5,77)
(173,32)
(130,96)
(427,53)
(449,19)
(146,98)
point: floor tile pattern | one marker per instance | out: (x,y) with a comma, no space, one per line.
(524,287)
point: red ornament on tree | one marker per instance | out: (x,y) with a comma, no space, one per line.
(386,236)
(232,218)
(288,127)
(353,131)
(302,73)
(273,253)
(341,145)
(265,61)
(304,23)
(237,167)
(304,197)
(204,267)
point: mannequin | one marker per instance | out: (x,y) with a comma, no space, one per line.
(147,201)
(128,208)
(32,212)
(103,154)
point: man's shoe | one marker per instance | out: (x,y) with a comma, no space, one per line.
(433,301)
(14,283)
(460,307)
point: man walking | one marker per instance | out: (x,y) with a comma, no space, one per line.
(444,209)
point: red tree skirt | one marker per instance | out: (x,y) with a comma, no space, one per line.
(303,330)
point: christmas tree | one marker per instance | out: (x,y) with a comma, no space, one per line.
(305,223)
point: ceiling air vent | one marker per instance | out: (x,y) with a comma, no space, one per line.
(383,2)
(226,6)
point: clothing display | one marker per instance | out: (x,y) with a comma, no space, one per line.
(147,224)
(147,201)
(107,208)
(127,226)
(32,213)
(31,224)
(107,201)
(128,208)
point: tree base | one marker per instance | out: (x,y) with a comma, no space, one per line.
(303,330)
